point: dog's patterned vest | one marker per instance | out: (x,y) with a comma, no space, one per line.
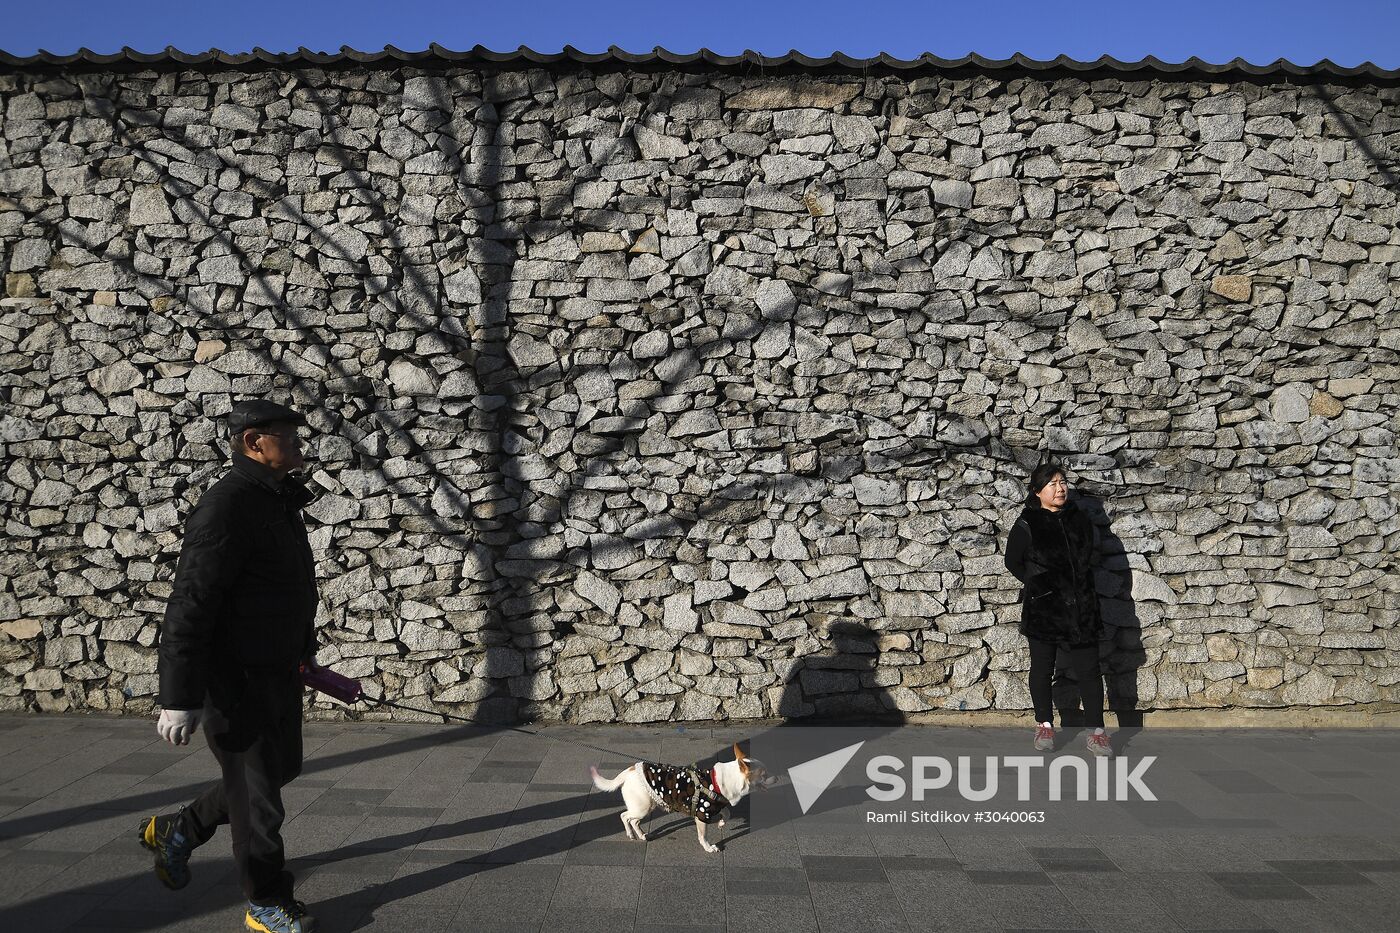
(685,789)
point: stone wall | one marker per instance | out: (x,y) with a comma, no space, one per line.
(652,396)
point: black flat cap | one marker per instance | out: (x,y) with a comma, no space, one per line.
(258,412)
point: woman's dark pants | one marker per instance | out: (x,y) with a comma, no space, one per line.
(1084,659)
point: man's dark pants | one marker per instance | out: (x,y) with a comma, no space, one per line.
(257,741)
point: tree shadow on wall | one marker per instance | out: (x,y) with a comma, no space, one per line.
(504,511)
(1371,144)
(1121,653)
(408,298)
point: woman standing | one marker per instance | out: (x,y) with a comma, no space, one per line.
(1051,550)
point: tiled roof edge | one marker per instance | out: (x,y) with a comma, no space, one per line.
(704,59)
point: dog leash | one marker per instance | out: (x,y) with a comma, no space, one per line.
(376,702)
(348,691)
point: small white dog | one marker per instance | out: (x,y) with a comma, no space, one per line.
(704,795)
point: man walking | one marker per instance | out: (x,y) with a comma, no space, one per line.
(238,626)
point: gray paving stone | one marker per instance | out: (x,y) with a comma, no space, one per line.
(766,882)
(1015,906)
(676,849)
(144,763)
(1193,902)
(1288,916)
(317,834)
(340,915)
(597,886)
(486,773)
(21,872)
(782,913)
(921,865)
(586,920)
(609,852)
(1268,892)
(858,906)
(443,883)
(343,802)
(510,893)
(1319,872)
(1072,852)
(1114,902)
(841,868)
(52,913)
(1078,865)
(378,832)
(943,901)
(810,844)
(1009,877)
(395,917)
(559,788)
(323,887)
(682,894)
(1380,865)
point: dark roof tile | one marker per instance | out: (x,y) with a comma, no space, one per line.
(704,59)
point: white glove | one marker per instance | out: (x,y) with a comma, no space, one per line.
(177,725)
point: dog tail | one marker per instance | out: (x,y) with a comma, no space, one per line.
(603,783)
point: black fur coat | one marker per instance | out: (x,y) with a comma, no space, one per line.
(1053,555)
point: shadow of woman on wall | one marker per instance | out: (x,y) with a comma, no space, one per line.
(1121,651)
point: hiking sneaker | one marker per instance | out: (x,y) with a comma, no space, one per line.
(163,836)
(1097,743)
(286,917)
(1044,738)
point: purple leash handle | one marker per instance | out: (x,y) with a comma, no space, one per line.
(324,680)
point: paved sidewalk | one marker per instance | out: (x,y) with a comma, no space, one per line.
(424,828)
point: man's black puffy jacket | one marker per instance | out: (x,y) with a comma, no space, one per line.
(245,589)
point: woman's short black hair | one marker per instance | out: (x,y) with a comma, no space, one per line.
(1041,475)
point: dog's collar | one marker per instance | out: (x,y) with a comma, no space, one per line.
(714,785)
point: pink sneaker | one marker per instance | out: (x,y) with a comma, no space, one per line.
(1098,745)
(1044,738)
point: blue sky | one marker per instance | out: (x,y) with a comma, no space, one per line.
(1348,32)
